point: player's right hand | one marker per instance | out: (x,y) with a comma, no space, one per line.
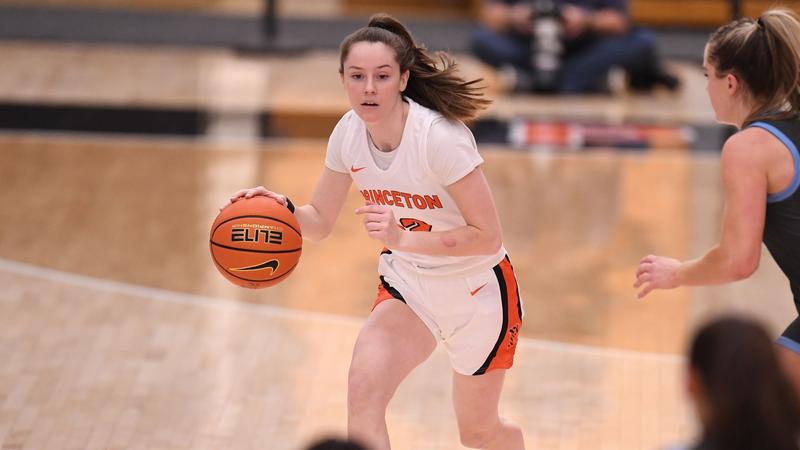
(252,192)
(656,272)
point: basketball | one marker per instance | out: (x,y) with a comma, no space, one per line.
(256,242)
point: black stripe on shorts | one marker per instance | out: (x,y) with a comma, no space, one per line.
(498,272)
(392,291)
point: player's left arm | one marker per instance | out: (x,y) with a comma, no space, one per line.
(481,235)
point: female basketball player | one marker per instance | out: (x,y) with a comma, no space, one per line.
(753,71)
(444,275)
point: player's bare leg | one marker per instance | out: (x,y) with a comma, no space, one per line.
(391,344)
(475,399)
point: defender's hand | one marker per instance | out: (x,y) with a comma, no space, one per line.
(656,272)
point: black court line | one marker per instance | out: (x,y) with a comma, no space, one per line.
(102,119)
(193,122)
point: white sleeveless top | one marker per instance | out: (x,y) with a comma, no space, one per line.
(433,153)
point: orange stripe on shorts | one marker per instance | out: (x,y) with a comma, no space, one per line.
(502,355)
(386,292)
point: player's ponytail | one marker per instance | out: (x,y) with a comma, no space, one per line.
(783,26)
(764,54)
(436,87)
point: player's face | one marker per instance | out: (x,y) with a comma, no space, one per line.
(717,88)
(373,80)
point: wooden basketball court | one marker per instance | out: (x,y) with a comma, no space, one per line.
(117,332)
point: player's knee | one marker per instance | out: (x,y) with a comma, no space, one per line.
(364,389)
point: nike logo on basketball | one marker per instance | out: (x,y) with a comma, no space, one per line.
(355,169)
(271,264)
(472,293)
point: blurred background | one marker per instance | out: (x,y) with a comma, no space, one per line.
(126,124)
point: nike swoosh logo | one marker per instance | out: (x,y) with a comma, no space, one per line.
(472,293)
(271,264)
(356,169)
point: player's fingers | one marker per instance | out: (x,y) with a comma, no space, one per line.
(250,193)
(369,209)
(641,279)
(648,259)
(235,198)
(280,198)
(373,218)
(646,290)
(238,194)
(373,227)
(643,267)
(261,190)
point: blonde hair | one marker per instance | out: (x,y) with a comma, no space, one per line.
(764,54)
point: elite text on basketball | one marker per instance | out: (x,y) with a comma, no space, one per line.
(256,235)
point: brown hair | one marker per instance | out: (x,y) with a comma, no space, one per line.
(440,89)
(752,404)
(764,54)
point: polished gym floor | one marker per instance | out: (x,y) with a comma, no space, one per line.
(117,332)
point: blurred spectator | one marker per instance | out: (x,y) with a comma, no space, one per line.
(742,398)
(336,444)
(566,46)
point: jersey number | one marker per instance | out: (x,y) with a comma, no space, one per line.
(414,225)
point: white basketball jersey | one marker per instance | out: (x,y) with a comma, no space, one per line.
(433,153)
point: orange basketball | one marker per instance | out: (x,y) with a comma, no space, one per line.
(256,242)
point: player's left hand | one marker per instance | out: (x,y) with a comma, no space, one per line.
(656,272)
(380,223)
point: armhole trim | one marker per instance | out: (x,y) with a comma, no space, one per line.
(786,193)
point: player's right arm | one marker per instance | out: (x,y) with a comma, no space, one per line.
(737,255)
(317,218)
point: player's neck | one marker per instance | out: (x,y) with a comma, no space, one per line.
(387,135)
(741,111)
